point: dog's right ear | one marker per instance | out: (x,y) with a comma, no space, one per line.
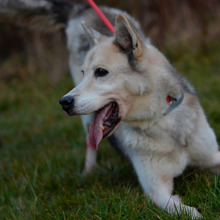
(92,35)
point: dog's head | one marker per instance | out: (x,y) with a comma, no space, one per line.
(120,73)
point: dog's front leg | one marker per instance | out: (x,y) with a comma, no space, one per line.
(75,67)
(158,185)
(90,161)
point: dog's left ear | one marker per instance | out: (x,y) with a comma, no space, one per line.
(92,35)
(127,38)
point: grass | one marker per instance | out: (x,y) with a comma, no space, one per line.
(43,152)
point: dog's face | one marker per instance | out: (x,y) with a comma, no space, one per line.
(110,73)
(108,87)
(116,84)
(104,79)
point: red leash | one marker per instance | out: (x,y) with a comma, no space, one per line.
(101,15)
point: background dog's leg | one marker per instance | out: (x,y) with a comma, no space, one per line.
(90,162)
(91,155)
(158,186)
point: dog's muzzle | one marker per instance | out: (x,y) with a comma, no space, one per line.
(67,103)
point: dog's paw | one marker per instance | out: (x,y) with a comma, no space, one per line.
(92,169)
(183,210)
(195,214)
(192,211)
(89,169)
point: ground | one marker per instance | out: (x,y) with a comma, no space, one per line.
(43,152)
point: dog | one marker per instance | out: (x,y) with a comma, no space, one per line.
(147,108)
(130,94)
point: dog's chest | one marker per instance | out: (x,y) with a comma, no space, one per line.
(154,147)
(155,141)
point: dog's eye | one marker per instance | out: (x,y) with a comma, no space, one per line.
(100,72)
(82,71)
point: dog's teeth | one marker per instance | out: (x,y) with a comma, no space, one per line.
(102,127)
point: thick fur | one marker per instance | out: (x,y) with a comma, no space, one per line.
(139,80)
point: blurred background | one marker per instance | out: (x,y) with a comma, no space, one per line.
(191,24)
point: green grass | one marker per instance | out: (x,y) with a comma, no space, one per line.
(43,153)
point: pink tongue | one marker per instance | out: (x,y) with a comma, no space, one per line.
(95,131)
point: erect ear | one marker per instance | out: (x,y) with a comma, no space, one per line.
(92,35)
(127,38)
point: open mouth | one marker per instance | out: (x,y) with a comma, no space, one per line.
(103,123)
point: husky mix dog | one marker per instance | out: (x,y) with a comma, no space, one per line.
(129,93)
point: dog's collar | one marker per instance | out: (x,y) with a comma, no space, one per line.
(173,102)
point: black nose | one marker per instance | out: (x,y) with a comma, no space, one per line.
(67,103)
